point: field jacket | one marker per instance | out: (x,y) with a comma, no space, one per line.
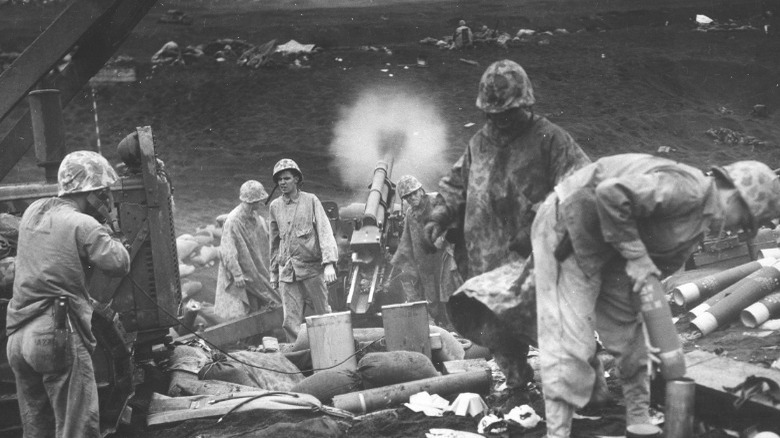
(651,205)
(58,248)
(302,240)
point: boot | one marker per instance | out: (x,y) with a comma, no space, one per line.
(558,415)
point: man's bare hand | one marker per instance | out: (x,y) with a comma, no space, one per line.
(239,282)
(330,273)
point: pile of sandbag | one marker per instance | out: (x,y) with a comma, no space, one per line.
(197,251)
(196,370)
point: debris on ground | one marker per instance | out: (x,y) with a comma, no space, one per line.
(291,54)
(736,138)
(707,24)
(175,16)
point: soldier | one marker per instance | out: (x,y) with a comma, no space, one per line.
(509,166)
(599,236)
(243,284)
(303,248)
(463,37)
(433,274)
(50,316)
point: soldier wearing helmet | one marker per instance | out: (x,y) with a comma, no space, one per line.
(491,192)
(431,277)
(463,37)
(243,279)
(303,248)
(49,319)
(599,236)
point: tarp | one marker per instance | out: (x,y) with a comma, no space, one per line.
(293,46)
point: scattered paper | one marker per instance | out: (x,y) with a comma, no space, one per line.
(430,405)
(703,19)
(524,415)
(468,403)
(490,423)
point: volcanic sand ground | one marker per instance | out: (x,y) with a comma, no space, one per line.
(627,77)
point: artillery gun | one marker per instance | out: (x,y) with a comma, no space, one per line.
(368,235)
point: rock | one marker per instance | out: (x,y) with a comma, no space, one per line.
(760,111)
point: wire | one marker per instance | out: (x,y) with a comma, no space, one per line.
(197,335)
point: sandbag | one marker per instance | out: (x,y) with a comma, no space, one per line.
(271,371)
(329,383)
(189,289)
(185,388)
(389,368)
(225,370)
(301,359)
(208,255)
(185,246)
(189,359)
(320,427)
(451,348)
(183,366)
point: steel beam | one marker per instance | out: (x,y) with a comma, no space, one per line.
(93,49)
(48,49)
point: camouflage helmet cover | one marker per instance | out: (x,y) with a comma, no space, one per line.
(252,191)
(407,185)
(286,164)
(84,171)
(504,86)
(758,186)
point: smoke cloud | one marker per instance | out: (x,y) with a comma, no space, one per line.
(395,121)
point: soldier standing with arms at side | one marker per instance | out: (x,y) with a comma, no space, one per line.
(243,284)
(433,274)
(509,166)
(303,249)
(49,324)
(596,240)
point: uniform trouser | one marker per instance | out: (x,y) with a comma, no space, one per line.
(570,306)
(56,387)
(295,294)
(437,311)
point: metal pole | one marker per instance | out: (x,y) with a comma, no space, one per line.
(97,126)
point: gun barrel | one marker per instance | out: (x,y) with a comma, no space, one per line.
(379,193)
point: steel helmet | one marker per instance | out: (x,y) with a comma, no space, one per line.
(759,187)
(84,171)
(504,86)
(252,191)
(287,164)
(407,185)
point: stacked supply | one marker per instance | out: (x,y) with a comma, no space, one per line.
(765,309)
(725,306)
(705,287)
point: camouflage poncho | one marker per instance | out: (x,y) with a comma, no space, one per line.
(497,182)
